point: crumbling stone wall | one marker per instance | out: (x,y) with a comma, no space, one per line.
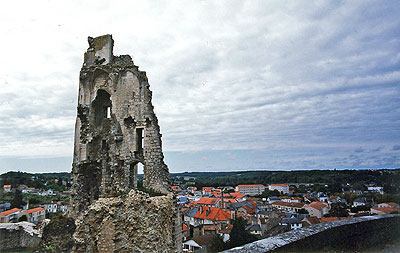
(129,223)
(116,129)
(18,236)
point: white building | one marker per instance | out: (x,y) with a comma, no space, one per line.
(283,188)
(50,207)
(251,189)
(376,189)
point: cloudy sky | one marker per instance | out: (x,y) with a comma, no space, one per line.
(237,85)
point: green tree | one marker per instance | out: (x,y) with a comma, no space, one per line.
(17,201)
(338,210)
(268,193)
(239,235)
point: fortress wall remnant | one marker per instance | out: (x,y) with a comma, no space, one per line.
(116,128)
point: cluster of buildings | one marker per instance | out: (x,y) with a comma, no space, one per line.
(36,214)
(209,212)
(32,190)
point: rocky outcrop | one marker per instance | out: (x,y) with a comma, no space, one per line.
(18,236)
(57,234)
(132,222)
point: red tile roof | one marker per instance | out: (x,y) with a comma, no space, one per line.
(237,195)
(386,210)
(184,228)
(283,185)
(313,220)
(11,211)
(7,186)
(392,204)
(250,185)
(34,210)
(318,205)
(329,219)
(212,213)
(207,201)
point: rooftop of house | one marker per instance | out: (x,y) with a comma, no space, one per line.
(250,185)
(11,211)
(212,213)
(329,219)
(7,186)
(288,204)
(389,204)
(255,227)
(34,210)
(386,210)
(313,220)
(192,212)
(290,221)
(281,185)
(318,205)
(207,201)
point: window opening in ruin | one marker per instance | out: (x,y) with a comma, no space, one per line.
(108,112)
(140,138)
(134,170)
(140,168)
(101,106)
(103,144)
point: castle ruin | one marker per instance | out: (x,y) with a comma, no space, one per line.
(116,129)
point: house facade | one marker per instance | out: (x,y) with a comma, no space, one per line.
(10,216)
(35,215)
(282,188)
(317,209)
(288,206)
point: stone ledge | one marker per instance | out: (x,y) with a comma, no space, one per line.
(276,242)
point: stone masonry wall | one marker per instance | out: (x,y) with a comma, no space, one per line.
(129,223)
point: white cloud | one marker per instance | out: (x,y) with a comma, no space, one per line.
(224,74)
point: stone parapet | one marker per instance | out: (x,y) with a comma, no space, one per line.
(345,235)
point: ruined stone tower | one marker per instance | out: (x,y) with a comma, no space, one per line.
(116,129)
